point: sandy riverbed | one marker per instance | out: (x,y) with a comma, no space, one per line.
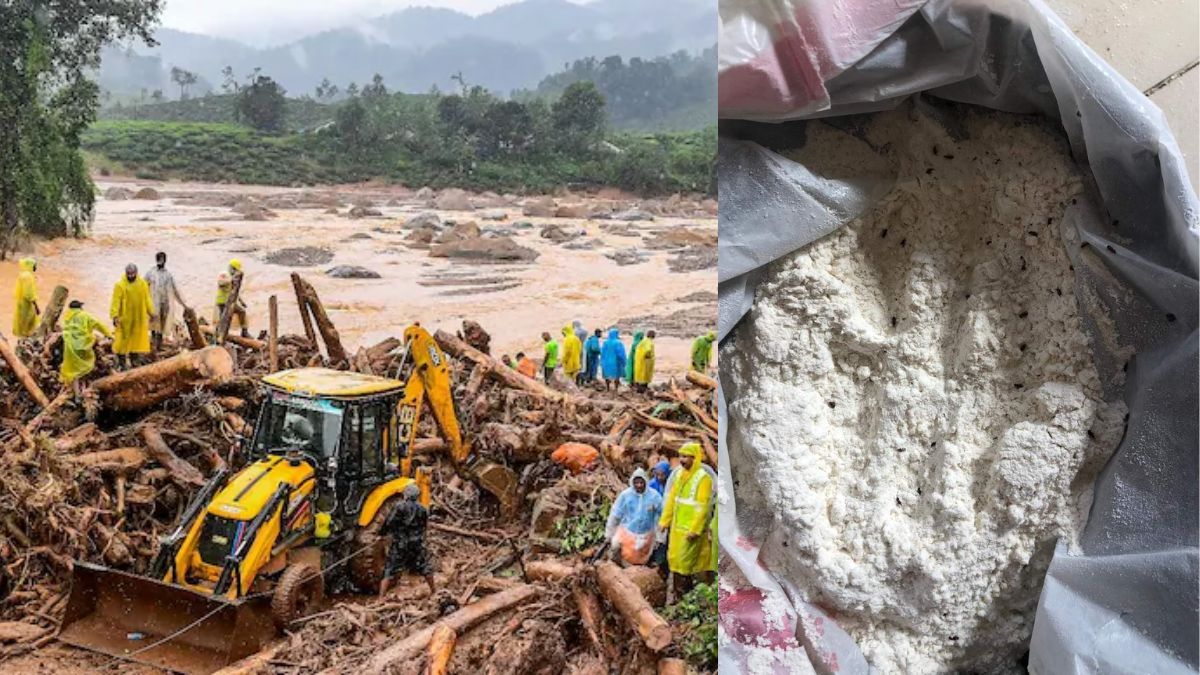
(513,301)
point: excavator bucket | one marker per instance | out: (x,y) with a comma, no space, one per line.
(163,625)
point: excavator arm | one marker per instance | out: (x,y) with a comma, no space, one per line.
(430,382)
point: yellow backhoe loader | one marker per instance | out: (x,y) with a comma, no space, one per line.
(255,550)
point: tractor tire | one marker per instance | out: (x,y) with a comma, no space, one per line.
(300,590)
(366,568)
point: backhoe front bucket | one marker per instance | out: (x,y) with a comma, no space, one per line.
(127,616)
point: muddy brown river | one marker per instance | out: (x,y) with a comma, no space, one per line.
(515,302)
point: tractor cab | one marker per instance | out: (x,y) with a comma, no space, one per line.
(344,425)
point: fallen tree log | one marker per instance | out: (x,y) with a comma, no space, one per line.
(185,475)
(673,426)
(49,324)
(456,346)
(39,419)
(441,648)
(193,328)
(459,621)
(248,343)
(119,459)
(696,411)
(672,667)
(329,334)
(552,571)
(22,373)
(147,386)
(652,586)
(701,380)
(627,598)
(592,618)
(305,317)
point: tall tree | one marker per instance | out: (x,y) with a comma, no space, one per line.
(47,50)
(262,103)
(376,89)
(578,117)
(229,84)
(184,79)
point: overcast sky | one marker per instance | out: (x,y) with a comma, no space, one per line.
(264,22)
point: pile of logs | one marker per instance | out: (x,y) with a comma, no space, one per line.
(99,479)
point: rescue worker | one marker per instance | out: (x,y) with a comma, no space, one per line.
(612,360)
(658,476)
(638,336)
(643,362)
(702,351)
(580,331)
(685,512)
(79,340)
(25,304)
(631,521)
(224,287)
(507,360)
(526,366)
(549,357)
(572,355)
(406,526)
(162,290)
(591,357)
(131,311)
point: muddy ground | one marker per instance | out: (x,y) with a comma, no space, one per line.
(598,263)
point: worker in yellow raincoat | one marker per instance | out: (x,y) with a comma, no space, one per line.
(643,362)
(224,288)
(685,511)
(25,305)
(79,340)
(131,311)
(572,355)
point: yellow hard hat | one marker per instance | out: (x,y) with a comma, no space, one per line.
(235,265)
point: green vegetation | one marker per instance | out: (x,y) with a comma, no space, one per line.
(583,531)
(47,100)
(299,113)
(695,619)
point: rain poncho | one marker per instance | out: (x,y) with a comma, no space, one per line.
(572,353)
(550,354)
(580,332)
(527,367)
(612,356)
(657,485)
(637,340)
(79,336)
(132,309)
(643,362)
(591,356)
(631,521)
(702,351)
(686,511)
(162,290)
(25,316)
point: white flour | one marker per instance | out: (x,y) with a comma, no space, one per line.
(918,393)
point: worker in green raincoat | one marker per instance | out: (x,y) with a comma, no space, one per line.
(702,351)
(685,512)
(549,357)
(25,305)
(79,340)
(637,338)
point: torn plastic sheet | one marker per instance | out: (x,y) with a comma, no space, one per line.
(1129,601)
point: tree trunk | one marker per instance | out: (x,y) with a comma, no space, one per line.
(184,474)
(460,621)
(302,303)
(230,306)
(54,310)
(152,384)
(627,598)
(193,327)
(273,335)
(552,571)
(672,667)
(592,618)
(59,401)
(441,649)
(22,373)
(120,459)
(457,347)
(329,334)
(701,380)
(652,586)
(248,343)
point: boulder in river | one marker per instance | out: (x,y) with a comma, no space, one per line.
(148,193)
(497,249)
(351,272)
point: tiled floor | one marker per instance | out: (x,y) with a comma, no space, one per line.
(1149,41)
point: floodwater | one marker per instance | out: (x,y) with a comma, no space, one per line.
(513,302)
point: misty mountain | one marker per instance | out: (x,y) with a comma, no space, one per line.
(511,47)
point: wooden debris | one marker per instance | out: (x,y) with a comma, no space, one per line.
(193,328)
(440,650)
(50,316)
(627,598)
(302,304)
(182,473)
(231,306)
(147,386)
(22,373)
(329,334)
(273,335)
(701,380)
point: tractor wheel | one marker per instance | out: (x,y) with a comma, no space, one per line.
(366,568)
(300,590)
